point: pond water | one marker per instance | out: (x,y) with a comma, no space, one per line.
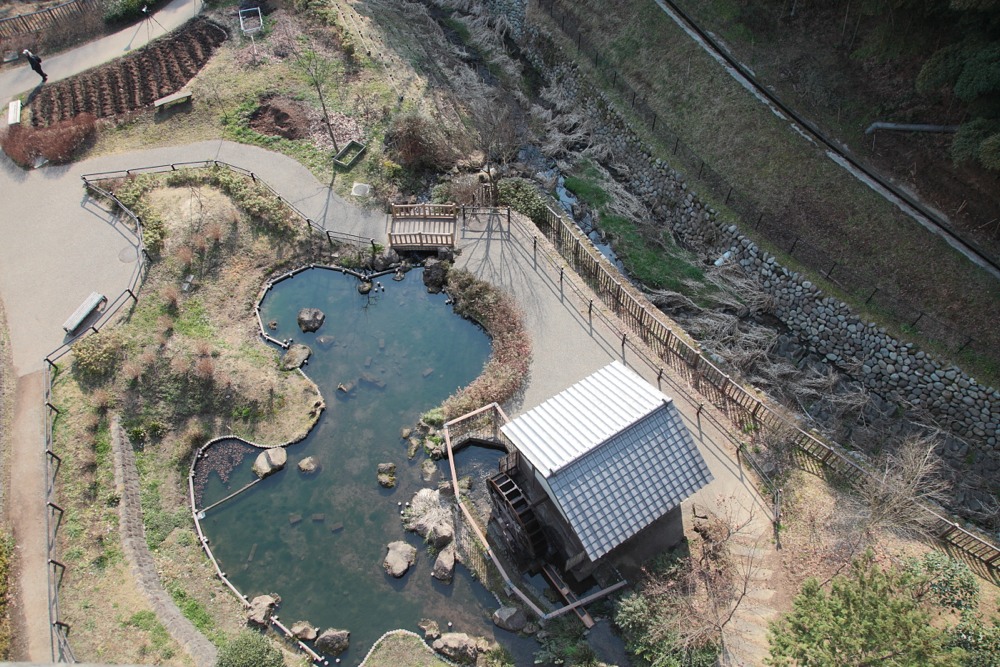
(404,351)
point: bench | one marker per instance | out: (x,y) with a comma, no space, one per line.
(175,98)
(89,305)
(14,113)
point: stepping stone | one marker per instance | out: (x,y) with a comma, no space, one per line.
(761,574)
(336,528)
(745,550)
(427,372)
(760,594)
(294,519)
(319,518)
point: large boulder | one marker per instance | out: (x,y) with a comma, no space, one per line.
(430,517)
(309,464)
(444,564)
(387,475)
(460,647)
(311,319)
(430,628)
(510,618)
(295,356)
(270,461)
(304,630)
(261,608)
(399,559)
(435,275)
(333,641)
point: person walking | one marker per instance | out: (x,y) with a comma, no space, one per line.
(36,64)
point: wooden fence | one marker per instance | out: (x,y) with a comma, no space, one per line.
(746,409)
(425,211)
(46,18)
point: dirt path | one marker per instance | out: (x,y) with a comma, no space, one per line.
(26,514)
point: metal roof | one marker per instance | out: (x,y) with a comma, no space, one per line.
(616,455)
(574,421)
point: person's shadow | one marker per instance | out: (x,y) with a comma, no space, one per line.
(33,94)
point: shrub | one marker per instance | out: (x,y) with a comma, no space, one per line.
(123,11)
(249,649)
(510,358)
(95,357)
(58,143)
(523,196)
(950,582)
(416,142)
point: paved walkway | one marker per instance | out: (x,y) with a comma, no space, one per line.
(18,80)
(58,247)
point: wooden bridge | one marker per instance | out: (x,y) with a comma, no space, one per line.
(423,226)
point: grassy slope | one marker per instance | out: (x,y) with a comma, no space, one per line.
(760,155)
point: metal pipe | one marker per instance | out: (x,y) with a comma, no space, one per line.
(911,127)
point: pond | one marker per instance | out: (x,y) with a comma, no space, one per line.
(318,541)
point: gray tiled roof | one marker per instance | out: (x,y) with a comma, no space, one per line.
(629,482)
(615,453)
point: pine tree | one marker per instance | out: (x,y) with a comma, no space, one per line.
(869,617)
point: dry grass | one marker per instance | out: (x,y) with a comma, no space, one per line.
(400,649)
(757,152)
(179,347)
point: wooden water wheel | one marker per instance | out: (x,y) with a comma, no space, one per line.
(518,524)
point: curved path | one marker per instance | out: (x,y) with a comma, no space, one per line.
(58,246)
(21,79)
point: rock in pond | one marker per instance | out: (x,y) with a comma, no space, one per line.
(435,275)
(510,618)
(295,356)
(261,608)
(387,475)
(311,319)
(309,464)
(364,287)
(430,517)
(444,564)
(333,641)
(304,631)
(430,628)
(325,342)
(270,461)
(399,559)
(460,647)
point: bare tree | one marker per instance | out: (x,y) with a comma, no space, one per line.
(500,132)
(318,71)
(904,480)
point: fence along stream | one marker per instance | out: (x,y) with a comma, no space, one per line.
(747,411)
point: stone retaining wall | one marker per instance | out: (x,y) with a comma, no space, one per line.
(826,326)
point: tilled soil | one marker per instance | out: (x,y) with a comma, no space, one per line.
(134,81)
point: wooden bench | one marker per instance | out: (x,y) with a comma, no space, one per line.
(14,113)
(89,305)
(175,98)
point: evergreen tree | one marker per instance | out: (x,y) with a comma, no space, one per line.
(869,617)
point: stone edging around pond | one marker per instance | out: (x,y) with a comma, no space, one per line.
(423,643)
(284,344)
(276,624)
